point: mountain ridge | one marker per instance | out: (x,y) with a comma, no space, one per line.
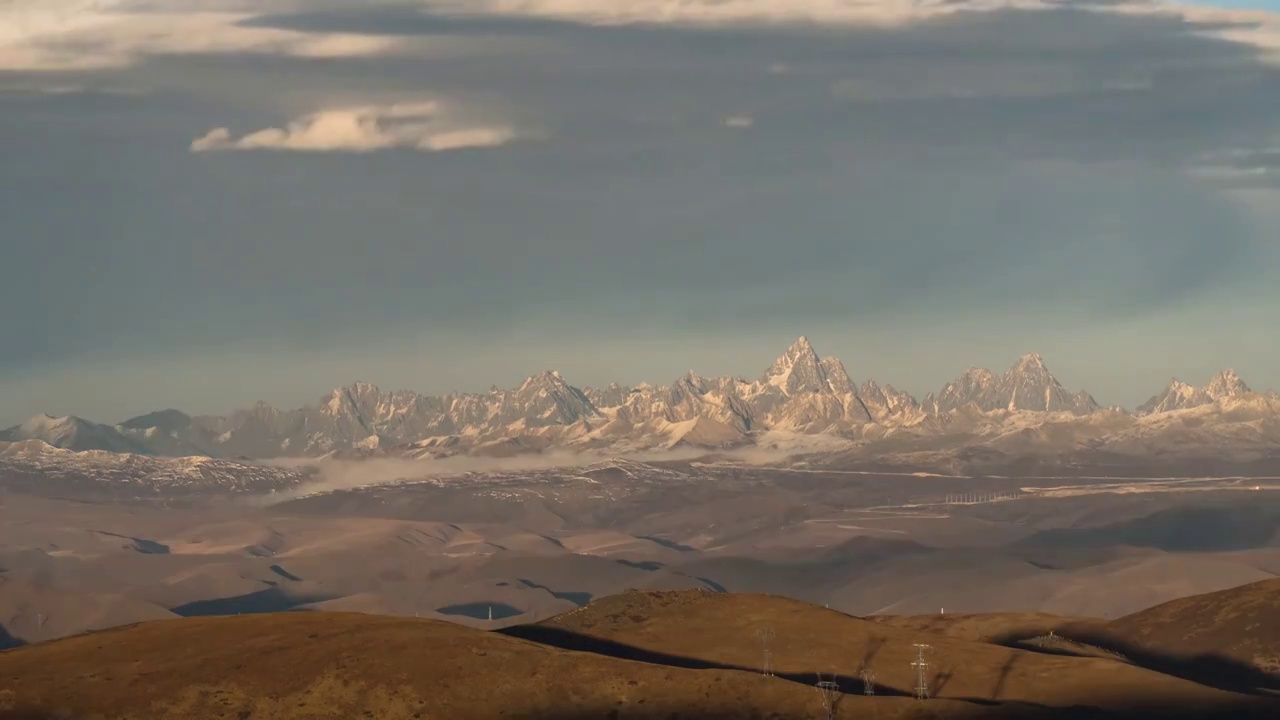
(800,392)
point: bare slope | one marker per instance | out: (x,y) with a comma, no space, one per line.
(339,665)
(982,627)
(30,612)
(722,629)
(1241,624)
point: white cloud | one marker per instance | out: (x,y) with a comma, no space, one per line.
(52,35)
(715,12)
(1255,27)
(426,126)
(1259,28)
(739,122)
(1240,166)
(89,34)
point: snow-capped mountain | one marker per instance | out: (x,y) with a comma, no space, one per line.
(1181,396)
(37,466)
(73,433)
(1027,385)
(801,394)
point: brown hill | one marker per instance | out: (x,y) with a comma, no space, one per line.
(983,627)
(345,665)
(1240,625)
(30,612)
(716,629)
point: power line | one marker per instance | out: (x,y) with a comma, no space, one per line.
(868,681)
(922,667)
(766,660)
(829,691)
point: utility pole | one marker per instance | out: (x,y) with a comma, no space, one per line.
(921,666)
(829,691)
(766,653)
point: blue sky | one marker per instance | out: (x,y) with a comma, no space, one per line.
(210,202)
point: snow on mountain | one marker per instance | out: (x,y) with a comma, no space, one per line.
(1178,396)
(37,466)
(611,395)
(1181,396)
(1027,385)
(803,392)
(889,406)
(797,370)
(1226,384)
(72,433)
(801,395)
(837,378)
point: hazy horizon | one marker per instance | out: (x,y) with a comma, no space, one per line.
(210,202)
(304,398)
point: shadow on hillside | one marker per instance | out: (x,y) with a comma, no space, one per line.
(1253,705)
(481,610)
(577,598)
(852,708)
(568,640)
(270,600)
(1212,670)
(8,641)
(1216,528)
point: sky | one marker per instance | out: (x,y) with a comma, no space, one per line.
(204,203)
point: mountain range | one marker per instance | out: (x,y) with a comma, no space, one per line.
(801,395)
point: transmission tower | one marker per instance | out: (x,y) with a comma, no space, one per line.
(766,653)
(922,667)
(829,691)
(868,681)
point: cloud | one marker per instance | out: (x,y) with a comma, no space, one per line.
(740,122)
(969,159)
(1258,28)
(1240,167)
(337,475)
(719,12)
(73,35)
(426,126)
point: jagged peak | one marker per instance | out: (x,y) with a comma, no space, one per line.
(833,366)
(546,377)
(799,355)
(1226,384)
(356,388)
(799,348)
(1030,362)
